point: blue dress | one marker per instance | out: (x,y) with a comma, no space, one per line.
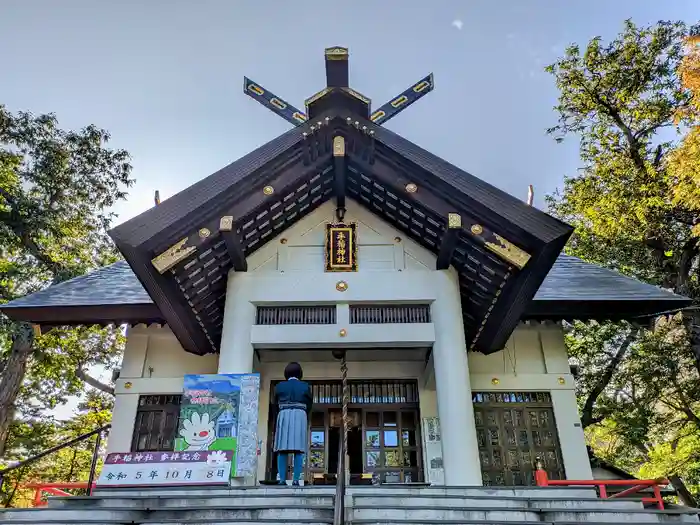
(294,401)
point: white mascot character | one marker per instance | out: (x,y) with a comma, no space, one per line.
(198,432)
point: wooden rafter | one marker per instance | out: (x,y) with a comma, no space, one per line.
(233,244)
(449,241)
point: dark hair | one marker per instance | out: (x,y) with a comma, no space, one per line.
(293,370)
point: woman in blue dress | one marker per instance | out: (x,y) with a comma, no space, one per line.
(294,401)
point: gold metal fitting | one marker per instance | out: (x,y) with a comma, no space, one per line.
(561,381)
(128,385)
(268,190)
(476,229)
(341,286)
(343,332)
(411,187)
(495,381)
(204,233)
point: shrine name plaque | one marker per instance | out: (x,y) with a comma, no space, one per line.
(341,247)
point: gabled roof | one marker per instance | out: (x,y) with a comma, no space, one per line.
(182,249)
(113,294)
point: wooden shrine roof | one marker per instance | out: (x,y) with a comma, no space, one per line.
(573,289)
(182,250)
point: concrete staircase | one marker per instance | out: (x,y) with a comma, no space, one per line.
(385,505)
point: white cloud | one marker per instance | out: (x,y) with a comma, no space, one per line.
(458,24)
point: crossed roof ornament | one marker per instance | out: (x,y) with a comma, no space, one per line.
(337,78)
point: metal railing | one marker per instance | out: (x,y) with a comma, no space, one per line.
(98,432)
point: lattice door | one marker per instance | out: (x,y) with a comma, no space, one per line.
(514,429)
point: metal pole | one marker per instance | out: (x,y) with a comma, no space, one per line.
(95,455)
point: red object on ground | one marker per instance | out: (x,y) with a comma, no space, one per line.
(53,489)
(637,485)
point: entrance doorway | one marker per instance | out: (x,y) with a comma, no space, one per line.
(384,443)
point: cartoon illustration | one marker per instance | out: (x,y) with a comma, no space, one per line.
(216,458)
(219,412)
(198,432)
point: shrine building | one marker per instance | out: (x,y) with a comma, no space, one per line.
(447,294)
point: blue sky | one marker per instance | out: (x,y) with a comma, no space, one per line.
(165,77)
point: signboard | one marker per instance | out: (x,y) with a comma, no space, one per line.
(341,247)
(220,412)
(433,450)
(166,468)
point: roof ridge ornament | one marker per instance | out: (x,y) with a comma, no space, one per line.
(337,90)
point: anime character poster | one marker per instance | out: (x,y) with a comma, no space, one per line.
(220,412)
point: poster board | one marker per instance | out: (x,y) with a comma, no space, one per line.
(435,470)
(220,412)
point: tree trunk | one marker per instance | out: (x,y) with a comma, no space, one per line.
(12,378)
(683,493)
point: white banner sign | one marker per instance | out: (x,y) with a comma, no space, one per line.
(148,469)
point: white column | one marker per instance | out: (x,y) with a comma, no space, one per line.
(123,419)
(571,438)
(236,354)
(460,452)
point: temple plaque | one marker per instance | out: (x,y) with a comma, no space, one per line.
(341,247)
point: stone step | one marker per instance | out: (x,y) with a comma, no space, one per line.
(616,516)
(287,513)
(163,502)
(494,502)
(174,522)
(476,514)
(418,514)
(185,492)
(520,492)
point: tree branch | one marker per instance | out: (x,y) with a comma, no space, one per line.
(95,383)
(587,418)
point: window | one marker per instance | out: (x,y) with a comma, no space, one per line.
(155,427)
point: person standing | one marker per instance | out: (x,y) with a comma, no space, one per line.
(294,401)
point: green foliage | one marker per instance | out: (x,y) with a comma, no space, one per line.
(56,189)
(70,464)
(639,388)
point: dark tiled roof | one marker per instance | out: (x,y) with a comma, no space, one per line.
(572,288)
(572,279)
(115,284)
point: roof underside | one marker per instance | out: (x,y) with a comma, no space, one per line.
(185,233)
(181,251)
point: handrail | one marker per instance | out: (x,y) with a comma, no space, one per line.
(98,431)
(636,485)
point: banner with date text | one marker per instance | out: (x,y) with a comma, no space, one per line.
(147,469)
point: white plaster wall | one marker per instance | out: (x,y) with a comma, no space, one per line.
(535,359)
(153,363)
(381,248)
(289,269)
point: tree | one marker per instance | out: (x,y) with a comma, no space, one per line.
(684,162)
(68,464)
(639,389)
(56,188)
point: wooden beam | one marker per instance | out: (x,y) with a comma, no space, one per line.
(339,175)
(233,244)
(393,178)
(449,241)
(337,74)
(277,105)
(401,101)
